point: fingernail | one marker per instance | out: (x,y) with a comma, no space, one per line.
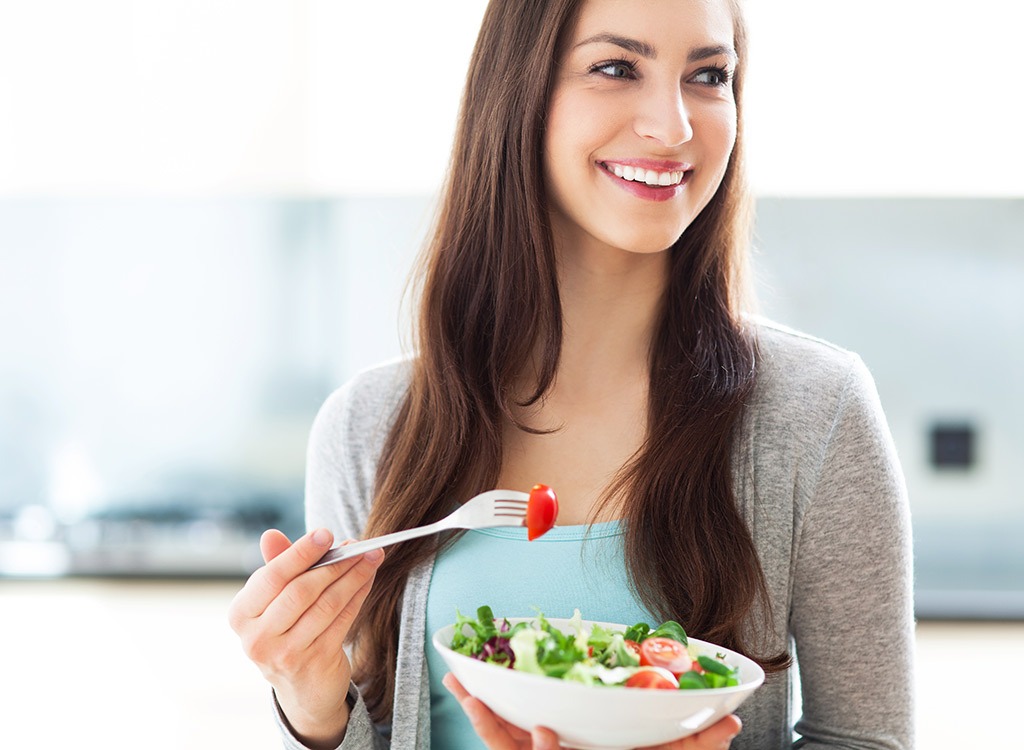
(374,555)
(321,537)
(739,728)
(542,739)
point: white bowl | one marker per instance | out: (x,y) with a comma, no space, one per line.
(599,717)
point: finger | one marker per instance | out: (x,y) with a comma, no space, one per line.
(492,730)
(544,739)
(334,612)
(497,733)
(454,687)
(306,594)
(719,735)
(328,647)
(272,544)
(269,581)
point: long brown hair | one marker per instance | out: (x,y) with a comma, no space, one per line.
(489,302)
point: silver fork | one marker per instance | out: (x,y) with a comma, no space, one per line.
(486,510)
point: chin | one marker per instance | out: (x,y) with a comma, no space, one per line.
(647,243)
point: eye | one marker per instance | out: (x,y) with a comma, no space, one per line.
(713,76)
(615,69)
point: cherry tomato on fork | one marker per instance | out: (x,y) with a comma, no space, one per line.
(541,511)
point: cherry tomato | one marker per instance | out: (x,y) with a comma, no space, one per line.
(633,646)
(541,511)
(649,678)
(666,653)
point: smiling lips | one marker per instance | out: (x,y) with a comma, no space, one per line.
(657,181)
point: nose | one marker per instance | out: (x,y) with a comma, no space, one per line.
(663,117)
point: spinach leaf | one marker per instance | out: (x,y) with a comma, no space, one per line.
(638,632)
(670,629)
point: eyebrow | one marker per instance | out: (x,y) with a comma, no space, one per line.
(633,45)
(646,50)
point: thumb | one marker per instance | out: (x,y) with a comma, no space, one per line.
(272,544)
(544,739)
(720,734)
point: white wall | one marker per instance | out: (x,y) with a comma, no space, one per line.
(886,97)
(880,97)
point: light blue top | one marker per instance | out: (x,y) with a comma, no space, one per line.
(563,570)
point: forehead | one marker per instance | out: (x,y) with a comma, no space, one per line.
(662,23)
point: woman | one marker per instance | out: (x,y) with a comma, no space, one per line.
(581,325)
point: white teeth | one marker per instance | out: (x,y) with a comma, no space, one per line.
(648,176)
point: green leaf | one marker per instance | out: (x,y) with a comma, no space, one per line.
(670,629)
(483,629)
(600,638)
(617,655)
(638,632)
(485,623)
(524,646)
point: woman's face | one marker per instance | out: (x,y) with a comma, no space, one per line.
(642,122)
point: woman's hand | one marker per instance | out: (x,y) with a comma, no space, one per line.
(292,622)
(498,734)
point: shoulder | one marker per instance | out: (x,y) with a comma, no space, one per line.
(346,439)
(351,427)
(809,394)
(365,404)
(813,435)
(793,359)
(803,377)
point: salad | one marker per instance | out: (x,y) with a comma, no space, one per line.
(638,657)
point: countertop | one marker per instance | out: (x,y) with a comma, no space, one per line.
(154,664)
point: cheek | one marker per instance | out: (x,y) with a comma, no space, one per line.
(725,131)
(555,139)
(568,130)
(719,139)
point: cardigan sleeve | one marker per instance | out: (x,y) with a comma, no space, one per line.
(360,734)
(344,443)
(852,613)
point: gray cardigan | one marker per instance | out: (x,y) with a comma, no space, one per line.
(819,483)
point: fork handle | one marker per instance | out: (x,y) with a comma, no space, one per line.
(345,551)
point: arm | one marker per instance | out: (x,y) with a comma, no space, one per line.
(852,609)
(343,445)
(292,623)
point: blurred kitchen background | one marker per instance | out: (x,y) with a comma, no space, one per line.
(208,214)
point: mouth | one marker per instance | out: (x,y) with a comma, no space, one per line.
(650,176)
(655,181)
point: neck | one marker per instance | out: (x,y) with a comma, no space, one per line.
(610,304)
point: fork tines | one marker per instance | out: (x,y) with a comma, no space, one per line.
(513,508)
